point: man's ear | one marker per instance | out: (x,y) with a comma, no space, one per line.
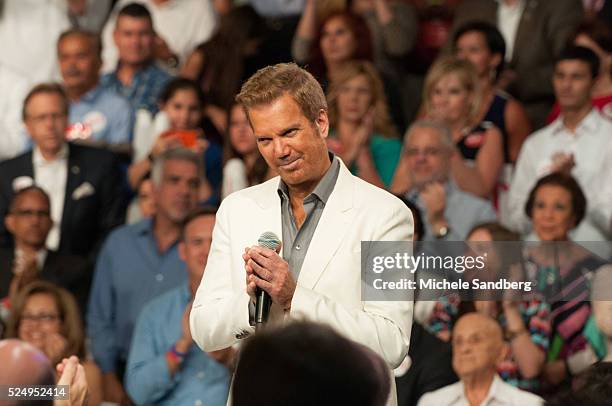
(322,123)
(503,353)
(9,222)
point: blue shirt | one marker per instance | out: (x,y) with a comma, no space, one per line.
(463,211)
(130,271)
(108,116)
(147,378)
(145,89)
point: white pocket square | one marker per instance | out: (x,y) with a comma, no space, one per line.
(85,189)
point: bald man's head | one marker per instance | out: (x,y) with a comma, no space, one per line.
(478,345)
(24,364)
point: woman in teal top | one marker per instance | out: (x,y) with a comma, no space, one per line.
(362,135)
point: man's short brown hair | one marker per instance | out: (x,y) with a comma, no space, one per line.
(272,82)
(46,88)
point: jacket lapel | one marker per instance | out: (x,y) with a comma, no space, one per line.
(73,180)
(331,230)
(524,33)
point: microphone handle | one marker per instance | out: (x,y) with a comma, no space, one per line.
(262,307)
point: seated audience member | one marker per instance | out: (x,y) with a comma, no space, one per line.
(419,229)
(29,221)
(97,114)
(344,36)
(448,212)
(451,96)
(595,389)
(244,166)
(535,33)
(136,76)
(483,45)
(47,317)
(577,143)
(139,262)
(180,26)
(601,302)
(179,123)
(237,49)
(24,364)
(393,25)
(83,183)
(310,364)
(430,367)
(164,366)
(524,322)
(555,205)
(13,138)
(478,348)
(362,133)
(597,36)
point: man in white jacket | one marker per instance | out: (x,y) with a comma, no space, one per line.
(323,213)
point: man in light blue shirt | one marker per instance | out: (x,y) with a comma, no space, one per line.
(449,212)
(139,262)
(164,367)
(97,114)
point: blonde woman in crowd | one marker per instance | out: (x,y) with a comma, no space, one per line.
(362,133)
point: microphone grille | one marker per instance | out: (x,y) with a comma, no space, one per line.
(269,240)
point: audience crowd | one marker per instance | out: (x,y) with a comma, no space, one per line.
(120,136)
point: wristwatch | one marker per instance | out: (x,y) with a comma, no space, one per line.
(442,232)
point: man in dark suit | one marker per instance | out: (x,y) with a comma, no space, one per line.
(83,183)
(29,222)
(541,29)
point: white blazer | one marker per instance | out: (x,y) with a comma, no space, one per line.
(329,284)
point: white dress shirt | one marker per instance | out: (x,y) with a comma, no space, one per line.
(183,24)
(508,19)
(51,176)
(29,30)
(13,137)
(500,394)
(591,145)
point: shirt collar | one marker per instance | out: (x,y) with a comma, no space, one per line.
(91,95)
(325,186)
(144,227)
(38,160)
(589,124)
(496,391)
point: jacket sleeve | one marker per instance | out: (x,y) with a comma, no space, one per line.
(220,309)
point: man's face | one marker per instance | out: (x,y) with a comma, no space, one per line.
(195,247)
(573,83)
(477,346)
(177,193)
(428,157)
(291,144)
(30,220)
(46,121)
(134,38)
(79,62)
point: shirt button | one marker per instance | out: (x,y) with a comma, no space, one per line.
(198,402)
(159,277)
(298,247)
(201,375)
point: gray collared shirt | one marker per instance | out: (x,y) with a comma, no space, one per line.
(296,241)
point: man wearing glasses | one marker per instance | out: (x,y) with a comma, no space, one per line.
(29,222)
(83,183)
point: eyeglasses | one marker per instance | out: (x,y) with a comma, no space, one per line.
(32,213)
(43,317)
(44,117)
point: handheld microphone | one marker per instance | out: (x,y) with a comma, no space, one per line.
(263,301)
